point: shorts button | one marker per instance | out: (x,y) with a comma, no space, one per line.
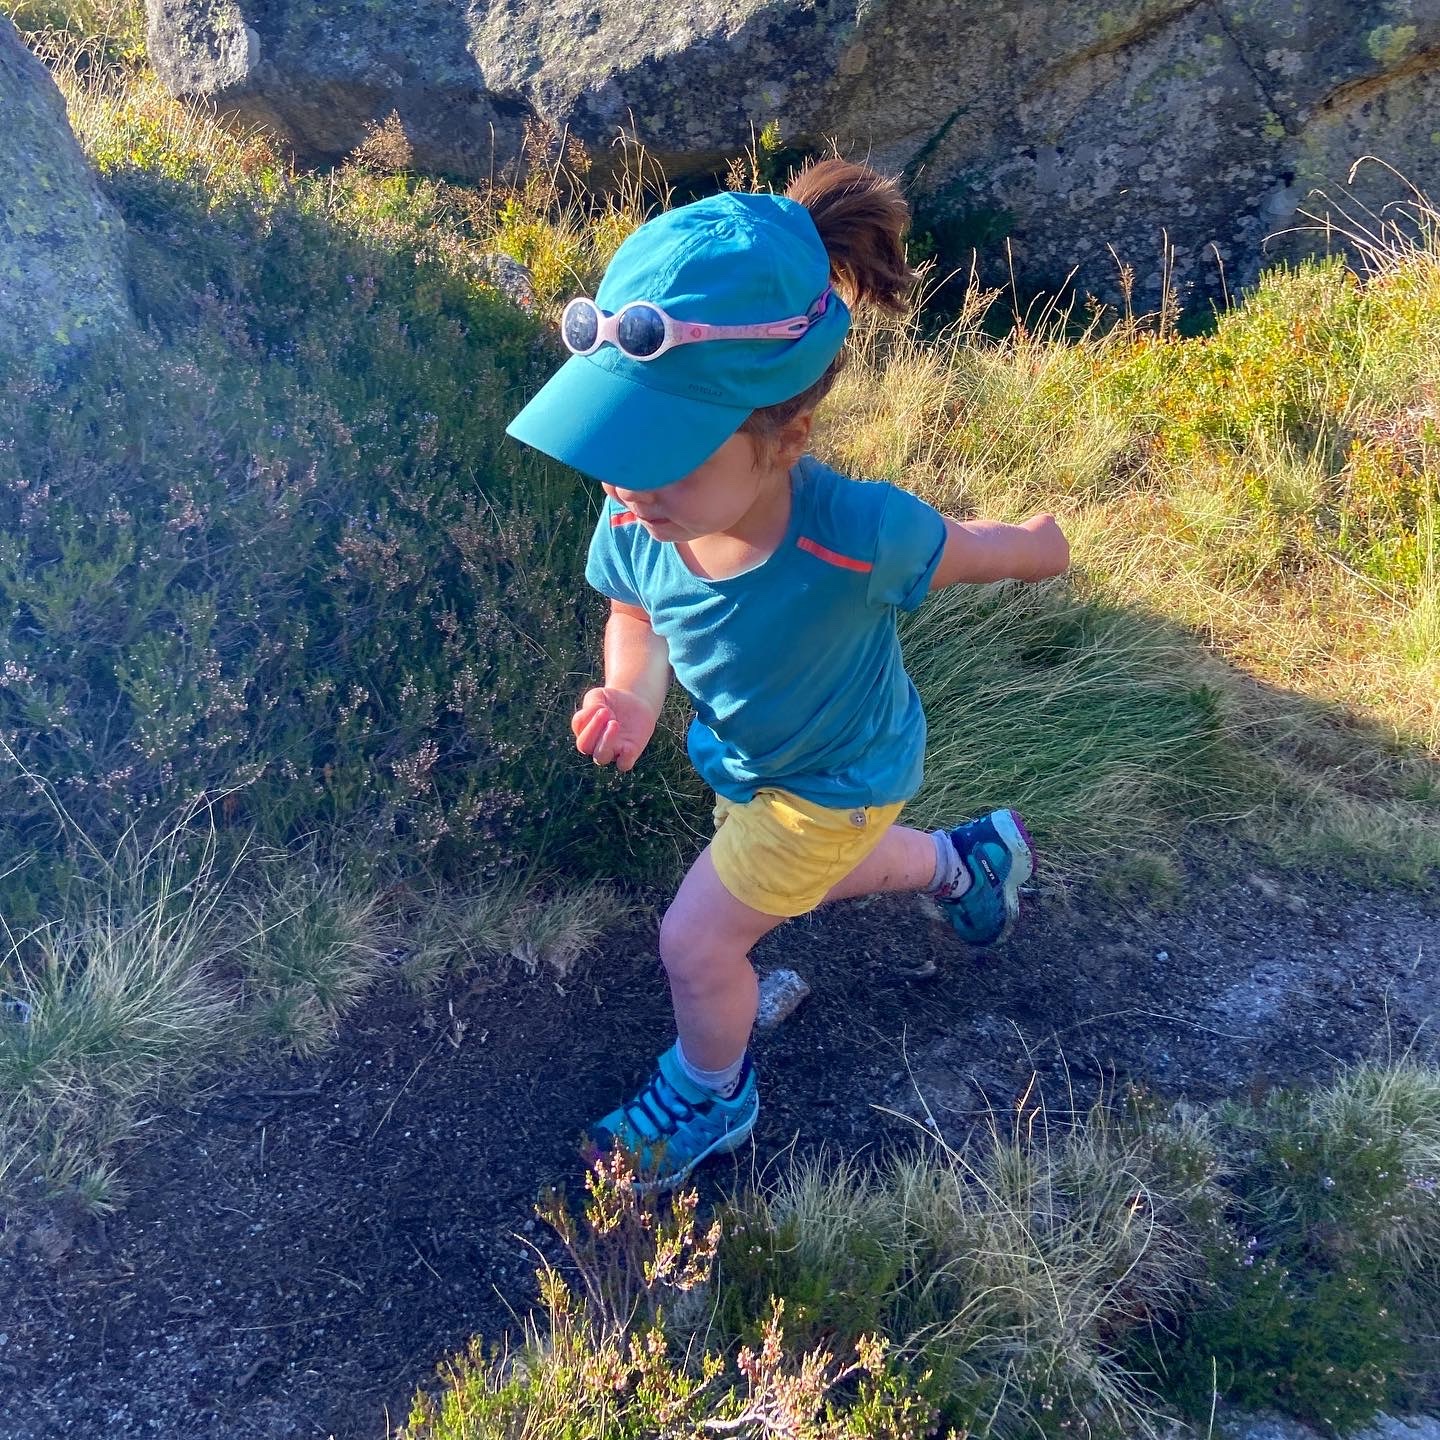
(858,819)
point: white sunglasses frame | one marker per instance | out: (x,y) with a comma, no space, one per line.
(689,332)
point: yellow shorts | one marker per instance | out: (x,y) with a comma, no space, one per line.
(782,855)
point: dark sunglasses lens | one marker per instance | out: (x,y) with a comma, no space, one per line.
(582,324)
(641,331)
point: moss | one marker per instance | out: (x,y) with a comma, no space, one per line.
(1390,43)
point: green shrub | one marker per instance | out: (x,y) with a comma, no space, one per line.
(1322,1346)
(609,1365)
(1324,1297)
(1087,1274)
(282,553)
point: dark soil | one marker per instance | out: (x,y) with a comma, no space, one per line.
(304,1244)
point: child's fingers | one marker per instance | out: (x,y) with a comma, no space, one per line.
(609,742)
(593,702)
(589,734)
(606,742)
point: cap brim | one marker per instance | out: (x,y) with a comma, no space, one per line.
(619,431)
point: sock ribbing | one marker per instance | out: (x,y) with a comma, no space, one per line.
(723,1082)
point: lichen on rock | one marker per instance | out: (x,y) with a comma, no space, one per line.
(62,244)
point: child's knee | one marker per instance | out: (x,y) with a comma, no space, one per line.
(677,943)
(688,947)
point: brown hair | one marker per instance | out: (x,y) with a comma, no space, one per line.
(862,218)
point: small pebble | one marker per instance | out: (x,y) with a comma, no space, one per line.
(781,991)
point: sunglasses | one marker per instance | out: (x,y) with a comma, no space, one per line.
(643,331)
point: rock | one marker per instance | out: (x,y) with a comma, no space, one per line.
(62,244)
(1402,1427)
(1059,129)
(1266,1425)
(781,992)
(512,279)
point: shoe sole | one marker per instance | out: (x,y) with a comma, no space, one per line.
(1011,829)
(731,1140)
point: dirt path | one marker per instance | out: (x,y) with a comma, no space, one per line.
(305,1244)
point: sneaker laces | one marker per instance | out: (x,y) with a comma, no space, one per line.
(661,1107)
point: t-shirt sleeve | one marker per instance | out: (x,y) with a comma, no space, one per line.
(909,543)
(607,567)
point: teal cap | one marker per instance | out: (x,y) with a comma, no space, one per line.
(731,259)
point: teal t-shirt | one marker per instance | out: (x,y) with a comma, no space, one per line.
(794,667)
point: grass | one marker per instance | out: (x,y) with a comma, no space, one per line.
(164,962)
(481,933)
(1248,638)
(102,33)
(118,1001)
(313,947)
(1251,639)
(1009,1271)
(1105,1273)
(1248,634)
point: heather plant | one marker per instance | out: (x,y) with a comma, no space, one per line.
(1100,1273)
(1323,1297)
(280,549)
(607,1364)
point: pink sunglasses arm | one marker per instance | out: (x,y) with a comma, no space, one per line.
(692,331)
(689,331)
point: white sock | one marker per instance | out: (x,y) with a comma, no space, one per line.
(721,1082)
(952,879)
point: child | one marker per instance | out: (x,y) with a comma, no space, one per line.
(770,586)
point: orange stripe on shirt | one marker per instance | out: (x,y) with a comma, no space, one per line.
(832,557)
(622,517)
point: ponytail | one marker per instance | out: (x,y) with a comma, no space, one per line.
(861,217)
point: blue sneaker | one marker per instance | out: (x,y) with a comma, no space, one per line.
(672,1124)
(998,853)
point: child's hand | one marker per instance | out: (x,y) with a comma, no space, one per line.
(1050,550)
(613,725)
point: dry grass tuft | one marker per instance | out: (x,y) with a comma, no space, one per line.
(1011,1270)
(313,947)
(121,999)
(483,932)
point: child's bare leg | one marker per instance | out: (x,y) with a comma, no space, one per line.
(705,942)
(904,860)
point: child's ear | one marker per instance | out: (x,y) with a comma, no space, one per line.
(795,437)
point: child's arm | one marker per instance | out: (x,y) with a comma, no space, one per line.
(978,551)
(615,722)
